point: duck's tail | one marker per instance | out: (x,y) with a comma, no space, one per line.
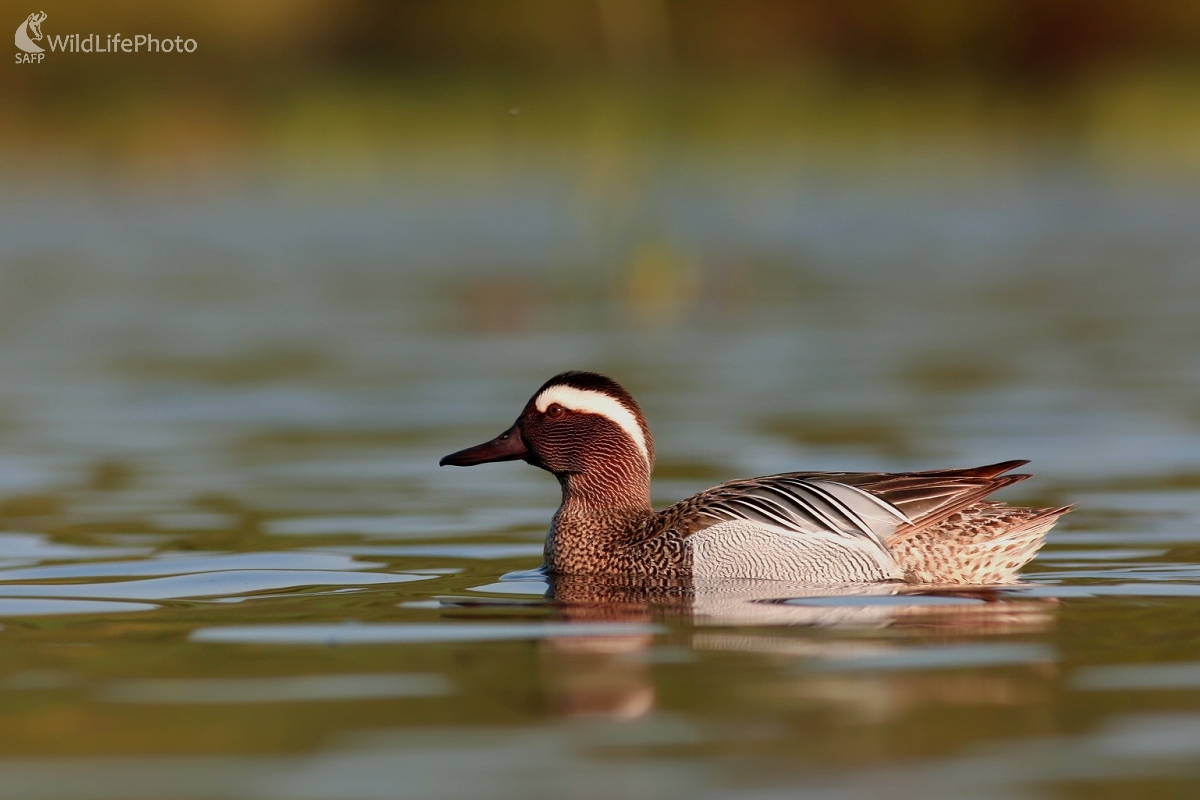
(985,543)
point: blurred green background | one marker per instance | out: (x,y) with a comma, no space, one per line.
(281,85)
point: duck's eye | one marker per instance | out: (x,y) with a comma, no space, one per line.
(555,411)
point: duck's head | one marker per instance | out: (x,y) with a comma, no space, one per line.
(577,423)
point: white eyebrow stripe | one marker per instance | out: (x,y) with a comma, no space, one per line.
(590,402)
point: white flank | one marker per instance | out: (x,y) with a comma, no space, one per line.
(589,402)
(748,549)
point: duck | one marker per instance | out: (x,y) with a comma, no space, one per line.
(815,528)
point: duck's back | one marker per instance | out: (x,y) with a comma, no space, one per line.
(925,527)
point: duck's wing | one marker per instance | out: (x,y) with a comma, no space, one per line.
(927,498)
(797,505)
(862,507)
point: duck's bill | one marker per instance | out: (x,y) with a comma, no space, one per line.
(508,446)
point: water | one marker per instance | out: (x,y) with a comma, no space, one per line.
(230,567)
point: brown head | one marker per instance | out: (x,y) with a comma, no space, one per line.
(587,430)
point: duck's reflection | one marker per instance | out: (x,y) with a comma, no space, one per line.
(601,677)
(604,676)
(864,677)
(744,603)
(876,698)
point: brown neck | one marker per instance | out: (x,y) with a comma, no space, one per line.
(606,491)
(600,508)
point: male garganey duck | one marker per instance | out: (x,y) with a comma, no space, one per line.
(807,527)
